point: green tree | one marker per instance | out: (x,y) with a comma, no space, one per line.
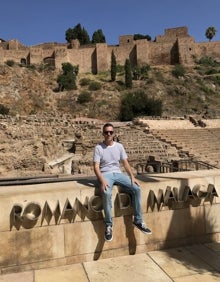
(141,36)
(113,66)
(67,80)
(210,32)
(78,32)
(98,37)
(138,104)
(69,68)
(128,74)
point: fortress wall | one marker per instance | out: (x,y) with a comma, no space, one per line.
(44,225)
(171,34)
(208,49)
(47,53)
(122,53)
(3,45)
(51,45)
(103,58)
(143,48)
(82,57)
(160,53)
(6,55)
(176,32)
(36,55)
(165,50)
(61,55)
(186,48)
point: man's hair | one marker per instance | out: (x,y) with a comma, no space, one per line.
(107,125)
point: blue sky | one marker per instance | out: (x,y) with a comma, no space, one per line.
(35,22)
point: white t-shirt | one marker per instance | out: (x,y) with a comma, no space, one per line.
(109,157)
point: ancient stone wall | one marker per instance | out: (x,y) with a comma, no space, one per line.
(171,34)
(175,46)
(210,49)
(101,58)
(82,57)
(122,53)
(160,53)
(186,50)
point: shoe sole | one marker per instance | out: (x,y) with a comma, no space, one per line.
(108,240)
(146,233)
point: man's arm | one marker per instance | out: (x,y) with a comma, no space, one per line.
(104,184)
(129,171)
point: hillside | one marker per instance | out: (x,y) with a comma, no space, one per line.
(42,131)
(26,91)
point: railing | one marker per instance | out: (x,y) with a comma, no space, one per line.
(172,166)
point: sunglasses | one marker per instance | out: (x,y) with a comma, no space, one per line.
(107,132)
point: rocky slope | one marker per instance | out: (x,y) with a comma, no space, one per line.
(28,91)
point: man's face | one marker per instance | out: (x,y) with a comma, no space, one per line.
(108,133)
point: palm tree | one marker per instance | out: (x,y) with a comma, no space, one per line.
(210,32)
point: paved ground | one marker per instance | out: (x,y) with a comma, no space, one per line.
(192,263)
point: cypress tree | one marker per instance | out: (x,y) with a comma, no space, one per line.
(128,74)
(113,66)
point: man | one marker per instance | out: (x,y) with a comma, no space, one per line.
(107,157)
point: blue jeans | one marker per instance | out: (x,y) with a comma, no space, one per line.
(133,189)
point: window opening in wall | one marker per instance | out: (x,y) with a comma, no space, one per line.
(49,61)
(23,62)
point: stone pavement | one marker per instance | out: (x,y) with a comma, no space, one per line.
(190,263)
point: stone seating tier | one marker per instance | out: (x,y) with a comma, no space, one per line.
(202,143)
(45,144)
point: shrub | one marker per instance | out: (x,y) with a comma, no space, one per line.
(208,61)
(159,76)
(178,71)
(31,67)
(211,71)
(215,79)
(141,73)
(10,63)
(120,69)
(138,104)
(84,97)
(84,81)
(94,85)
(3,110)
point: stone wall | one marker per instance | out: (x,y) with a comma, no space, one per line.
(49,224)
(174,47)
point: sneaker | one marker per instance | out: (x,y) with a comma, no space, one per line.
(142,227)
(108,233)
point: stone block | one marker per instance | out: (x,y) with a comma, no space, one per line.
(212,219)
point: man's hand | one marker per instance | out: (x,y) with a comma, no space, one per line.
(134,180)
(104,186)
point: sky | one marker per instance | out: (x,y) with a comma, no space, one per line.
(36,22)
